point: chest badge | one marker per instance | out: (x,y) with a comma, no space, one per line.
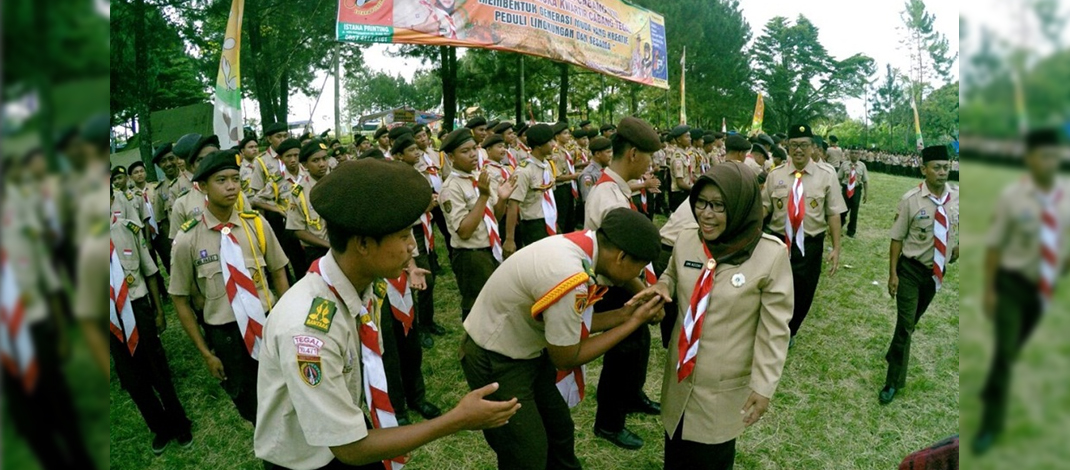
(738,280)
(225,231)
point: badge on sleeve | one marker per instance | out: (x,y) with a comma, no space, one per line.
(447,206)
(320,315)
(308,359)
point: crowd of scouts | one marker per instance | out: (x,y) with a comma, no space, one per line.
(305,274)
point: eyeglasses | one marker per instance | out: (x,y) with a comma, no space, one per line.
(797,146)
(715,206)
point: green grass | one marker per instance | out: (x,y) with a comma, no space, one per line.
(825,413)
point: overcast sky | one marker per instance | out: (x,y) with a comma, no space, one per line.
(846,27)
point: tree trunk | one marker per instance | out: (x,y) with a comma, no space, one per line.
(562,100)
(282,113)
(633,94)
(448,57)
(141,66)
(519,95)
(260,78)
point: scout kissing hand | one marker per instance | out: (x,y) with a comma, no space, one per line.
(474,412)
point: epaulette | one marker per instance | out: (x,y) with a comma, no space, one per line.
(133,227)
(189,224)
(524,164)
(249,214)
(320,314)
(183,192)
(557,292)
(296,191)
(129,195)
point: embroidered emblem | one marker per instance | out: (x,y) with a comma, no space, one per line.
(205,260)
(320,315)
(310,371)
(130,279)
(447,206)
(779,203)
(187,225)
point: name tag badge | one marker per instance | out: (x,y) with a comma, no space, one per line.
(206,260)
(692,264)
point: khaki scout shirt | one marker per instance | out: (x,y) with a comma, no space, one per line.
(190,205)
(861,174)
(561,164)
(22,241)
(247,170)
(604,198)
(309,383)
(134,255)
(590,175)
(914,223)
(301,215)
(1016,224)
(744,338)
(680,164)
(835,156)
(529,188)
(499,172)
(196,266)
(459,198)
(178,186)
(268,181)
(501,319)
(820,190)
(681,220)
(124,205)
(149,193)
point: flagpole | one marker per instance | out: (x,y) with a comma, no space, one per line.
(227,116)
(683,93)
(917,123)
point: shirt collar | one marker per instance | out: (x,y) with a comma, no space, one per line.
(211,221)
(621,183)
(353,300)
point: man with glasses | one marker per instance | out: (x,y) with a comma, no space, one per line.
(805,202)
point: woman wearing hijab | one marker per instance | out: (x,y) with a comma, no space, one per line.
(734,289)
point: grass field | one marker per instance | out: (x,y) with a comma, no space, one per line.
(825,413)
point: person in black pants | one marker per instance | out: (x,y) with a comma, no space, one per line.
(403,357)
(854,180)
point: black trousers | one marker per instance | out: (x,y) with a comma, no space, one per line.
(532,231)
(161,245)
(541,435)
(849,219)
(912,298)
(440,224)
(667,323)
(1018,311)
(676,198)
(425,299)
(45,416)
(661,200)
(690,455)
(566,208)
(805,272)
(239,367)
(624,367)
(638,201)
(289,242)
(472,268)
(147,376)
(403,360)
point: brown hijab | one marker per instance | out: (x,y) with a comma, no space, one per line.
(743,211)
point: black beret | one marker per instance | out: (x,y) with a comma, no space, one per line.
(373,153)
(215,162)
(205,141)
(402,143)
(540,134)
(399,131)
(679,131)
(288,144)
(310,149)
(476,122)
(718,135)
(697,133)
(639,133)
(1038,138)
(492,124)
(579,134)
(455,139)
(420,127)
(708,138)
(820,142)
(275,128)
(584,123)
(765,140)
(737,143)
(185,144)
(559,127)
(380,131)
(599,144)
(833,139)
(160,152)
(246,140)
(606,127)
(362,212)
(633,233)
(934,153)
(502,127)
(118,170)
(799,130)
(136,164)
(97,130)
(777,139)
(358,139)
(491,140)
(521,128)
(760,149)
(779,152)
(324,134)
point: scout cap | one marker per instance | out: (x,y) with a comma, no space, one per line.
(759,149)
(799,130)
(476,122)
(559,127)
(203,142)
(708,138)
(599,144)
(160,152)
(362,212)
(833,139)
(584,123)
(380,131)
(633,233)
(374,153)
(97,130)
(310,149)
(638,133)
(399,131)
(118,171)
(934,153)
(275,128)
(403,142)
(579,133)
(136,164)
(606,127)
(539,134)
(1038,138)
(502,127)
(215,162)
(288,144)
(492,124)
(697,133)
(455,139)
(491,140)
(765,140)
(521,129)
(358,139)
(678,131)
(736,143)
(185,144)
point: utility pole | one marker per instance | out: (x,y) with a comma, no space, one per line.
(337,91)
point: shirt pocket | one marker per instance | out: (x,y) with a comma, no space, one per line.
(921,229)
(131,265)
(211,277)
(779,197)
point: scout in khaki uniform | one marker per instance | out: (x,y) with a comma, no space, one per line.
(834,154)
(473,203)
(532,209)
(272,182)
(680,221)
(854,180)
(497,165)
(602,153)
(530,331)
(699,160)
(139,356)
(728,347)
(164,157)
(521,146)
(302,218)
(249,151)
(805,202)
(145,194)
(513,154)
(431,168)
(124,205)
(924,243)
(220,248)
(322,353)
(620,386)
(189,204)
(1026,257)
(182,182)
(566,190)
(737,149)
(680,170)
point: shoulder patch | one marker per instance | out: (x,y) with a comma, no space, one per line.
(296,191)
(447,206)
(524,164)
(320,314)
(249,214)
(133,227)
(557,292)
(187,225)
(129,196)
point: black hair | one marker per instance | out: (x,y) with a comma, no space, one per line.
(339,237)
(620,145)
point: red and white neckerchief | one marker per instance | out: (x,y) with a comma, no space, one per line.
(523,147)
(940,231)
(278,161)
(512,158)
(851,182)
(123,323)
(154,228)
(502,170)
(17,350)
(372,369)
(572,383)
(796,214)
(433,174)
(1050,241)
(549,205)
(691,329)
(241,290)
(571,170)
(491,223)
(449,28)
(482,160)
(648,270)
(429,233)
(400,295)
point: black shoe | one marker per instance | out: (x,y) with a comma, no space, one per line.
(403,418)
(159,443)
(984,442)
(887,394)
(436,329)
(427,341)
(646,406)
(624,439)
(185,440)
(427,410)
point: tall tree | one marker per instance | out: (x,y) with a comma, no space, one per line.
(800,79)
(930,56)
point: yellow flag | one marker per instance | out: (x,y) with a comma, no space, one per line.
(759,114)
